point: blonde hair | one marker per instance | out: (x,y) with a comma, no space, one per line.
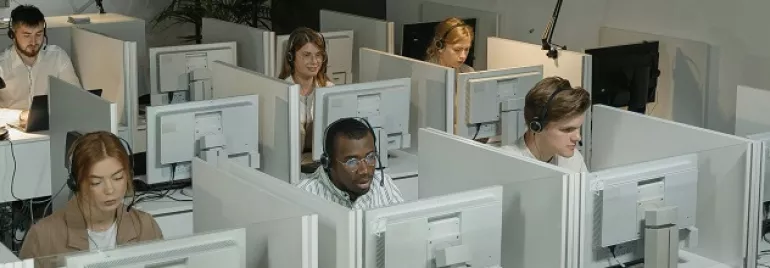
(442,37)
(568,103)
(298,38)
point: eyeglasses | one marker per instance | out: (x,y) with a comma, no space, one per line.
(353,163)
(309,57)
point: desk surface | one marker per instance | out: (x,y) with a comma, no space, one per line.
(167,205)
(19,137)
(401,164)
(6,255)
(61,21)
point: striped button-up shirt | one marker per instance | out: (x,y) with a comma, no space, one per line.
(381,193)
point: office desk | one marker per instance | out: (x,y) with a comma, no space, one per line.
(175,218)
(33,167)
(6,255)
(402,167)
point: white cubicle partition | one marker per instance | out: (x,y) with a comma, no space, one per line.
(751,111)
(487,25)
(339,228)
(110,64)
(726,213)
(279,232)
(433,88)
(278,116)
(73,109)
(538,207)
(256,47)
(369,33)
(573,66)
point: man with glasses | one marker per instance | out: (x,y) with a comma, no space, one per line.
(347,174)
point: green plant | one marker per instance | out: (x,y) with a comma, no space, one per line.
(255,13)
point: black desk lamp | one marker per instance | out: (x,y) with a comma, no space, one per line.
(547,37)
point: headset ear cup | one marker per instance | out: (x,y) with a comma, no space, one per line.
(536,126)
(72,183)
(440,44)
(324,161)
(10,33)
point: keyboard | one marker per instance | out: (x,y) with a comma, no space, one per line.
(28,263)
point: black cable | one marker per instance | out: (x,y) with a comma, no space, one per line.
(478,129)
(13,174)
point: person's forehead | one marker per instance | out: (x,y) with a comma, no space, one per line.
(30,28)
(347,145)
(106,167)
(309,47)
(574,121)
(462,43)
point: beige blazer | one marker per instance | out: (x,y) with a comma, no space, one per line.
(64,232)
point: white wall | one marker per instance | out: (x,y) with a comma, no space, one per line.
(736,31)
(143,9)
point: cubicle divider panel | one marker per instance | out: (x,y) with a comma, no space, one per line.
(624,137)
(73,109)
(339,228)
(722,213)
(751,111)
(368,32)
(536,196)
(573,66)
(487,25)
(110,64)
(724,170)
(274,225)
(278,116)
(253,43)
(681,93)
(433,88)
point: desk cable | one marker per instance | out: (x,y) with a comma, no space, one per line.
(13,173)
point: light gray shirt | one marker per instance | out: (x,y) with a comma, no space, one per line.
(381,193)
(574,163)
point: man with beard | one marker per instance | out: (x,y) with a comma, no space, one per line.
(347,174)
(26,65)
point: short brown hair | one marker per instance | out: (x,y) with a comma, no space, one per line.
(92,148)
(567,104)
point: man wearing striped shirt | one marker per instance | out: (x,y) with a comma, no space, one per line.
(347,173)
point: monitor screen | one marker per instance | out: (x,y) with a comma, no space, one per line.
(625,75)
(417,38)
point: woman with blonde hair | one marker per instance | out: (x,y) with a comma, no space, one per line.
(451,44)
(305,64)
(97,218)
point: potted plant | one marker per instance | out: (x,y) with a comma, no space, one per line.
(255,13)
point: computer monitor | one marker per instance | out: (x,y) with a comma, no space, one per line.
(625,75)
(217,249)
(384,104)
(339,53)
(457,230)
(491,103)
(214,130)
(183,73)
(620,197)
(418,36)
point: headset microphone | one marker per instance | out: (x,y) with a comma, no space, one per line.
(580,143)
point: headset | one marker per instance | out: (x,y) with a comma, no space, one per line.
(326,160)
(12,35)
(72,179)
(538,123)
(301,31)
(441,43)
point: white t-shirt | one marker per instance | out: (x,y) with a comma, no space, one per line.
(574,163)
(105,240)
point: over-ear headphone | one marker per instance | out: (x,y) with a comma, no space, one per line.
(538,123)
(72,179)
(326,159)
(441,43)
(296,34)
